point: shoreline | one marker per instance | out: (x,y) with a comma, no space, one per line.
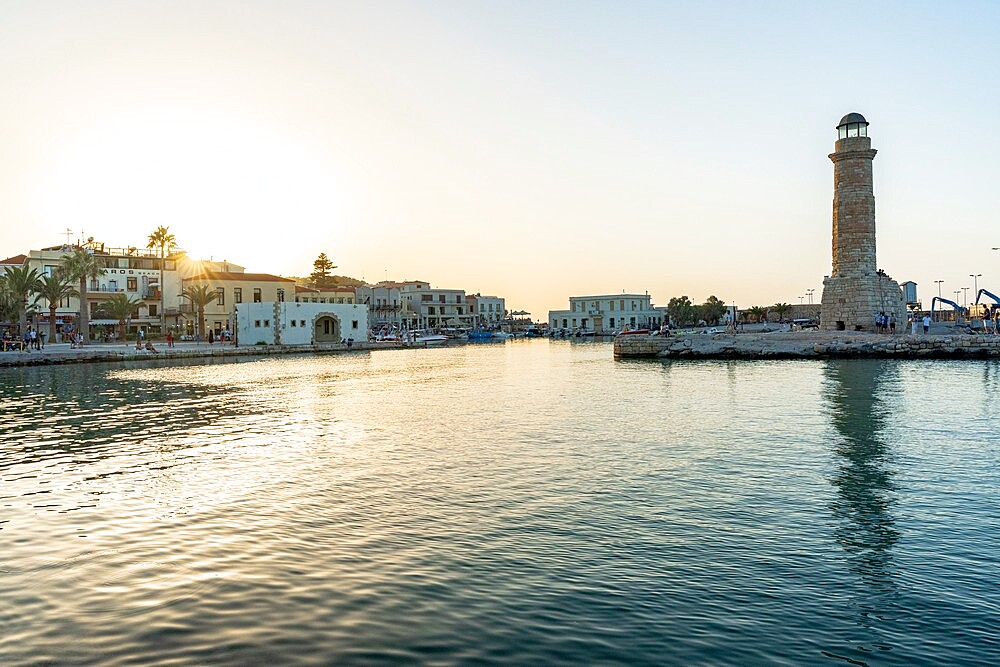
(810,345)
(61,353)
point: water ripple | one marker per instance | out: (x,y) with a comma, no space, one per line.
(531,503)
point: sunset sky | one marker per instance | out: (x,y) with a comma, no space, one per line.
(534,150)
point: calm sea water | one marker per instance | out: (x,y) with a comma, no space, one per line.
(530,502)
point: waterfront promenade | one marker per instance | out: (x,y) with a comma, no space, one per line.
(62,353)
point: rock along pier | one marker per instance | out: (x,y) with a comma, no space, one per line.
(809,345)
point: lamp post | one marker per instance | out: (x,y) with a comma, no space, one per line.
(965,301)
(975,282)
(810,293)
(939,287)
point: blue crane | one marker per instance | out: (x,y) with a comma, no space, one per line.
(954,305)
(993,296)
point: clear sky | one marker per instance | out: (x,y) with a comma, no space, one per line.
(534,150)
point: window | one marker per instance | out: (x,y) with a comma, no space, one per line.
(354,324)
(622,304)
(294,323)
(460,310)
(220,296)
(302,323)
(256,324)
(612,309)
(152,310)
(131,284)
(281,295)
(430,310)
(267,323)
(237,295)
(482,308)
(350,299)
(340,299)
(441,298)
(426,297)
(256,295)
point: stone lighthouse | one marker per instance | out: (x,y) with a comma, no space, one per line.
(856,291)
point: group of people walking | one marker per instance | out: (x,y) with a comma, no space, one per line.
(885,322)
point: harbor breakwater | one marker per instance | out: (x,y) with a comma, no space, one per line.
(809,344)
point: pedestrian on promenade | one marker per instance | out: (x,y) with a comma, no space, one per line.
(211,336)
(927,323)
(996,321)
(170,338)
(892,323)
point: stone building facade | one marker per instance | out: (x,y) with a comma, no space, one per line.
(856,291)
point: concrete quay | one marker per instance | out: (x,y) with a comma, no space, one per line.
(62,353)
(809,345)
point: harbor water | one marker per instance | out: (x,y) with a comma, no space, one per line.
(527,502)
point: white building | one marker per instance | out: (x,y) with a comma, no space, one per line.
(426,307)
(608,312)
(487,309)
(290,323)
(385,304)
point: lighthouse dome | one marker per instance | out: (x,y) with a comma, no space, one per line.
(852,125)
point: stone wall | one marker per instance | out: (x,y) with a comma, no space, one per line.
(851,302)
(808,345)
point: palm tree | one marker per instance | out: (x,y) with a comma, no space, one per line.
(8,305)
(22,282)
(120,307)
(200,296)
(81,265)
(54,288)
(781,309)
(757,313)
(164,241)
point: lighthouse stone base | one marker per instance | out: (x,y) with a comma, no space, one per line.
(850,303)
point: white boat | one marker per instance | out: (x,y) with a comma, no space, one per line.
(425,337)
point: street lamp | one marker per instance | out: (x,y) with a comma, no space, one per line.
(975,282)
(966,300)
(800,300)
(939,287)
(810,293)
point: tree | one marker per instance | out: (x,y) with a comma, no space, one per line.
(54,288)
(200,296)
(164,241)
(120,307)
(713,309)
(781,309)
(22,282)
(757,313)
(79,266)
(320,276)
(680,310)
(8,302)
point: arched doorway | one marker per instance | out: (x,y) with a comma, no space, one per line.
(326,329)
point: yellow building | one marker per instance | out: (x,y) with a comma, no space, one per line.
(231,288)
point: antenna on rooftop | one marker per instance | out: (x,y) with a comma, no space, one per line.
(68,233)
